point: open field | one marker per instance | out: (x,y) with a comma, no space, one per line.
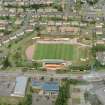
(10,100)
(61,51)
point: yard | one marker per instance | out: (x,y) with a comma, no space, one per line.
(61,51)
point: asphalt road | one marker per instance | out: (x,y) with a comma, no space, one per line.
(96,76)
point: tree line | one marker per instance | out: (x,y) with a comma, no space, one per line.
(63,96)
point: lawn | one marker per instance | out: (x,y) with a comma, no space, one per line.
(60,51)
(10,100)
(20,46)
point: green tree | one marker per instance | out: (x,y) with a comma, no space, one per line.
(27,100)
(92,2)
(58,7)
(78,5)
(6,63)
(64,94)
(38,29)
(35,64)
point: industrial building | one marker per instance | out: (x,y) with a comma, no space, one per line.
(20,87)
(46,88)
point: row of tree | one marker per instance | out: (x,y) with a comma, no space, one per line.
(99,48)
(80,67)
(27,100)
(64,94)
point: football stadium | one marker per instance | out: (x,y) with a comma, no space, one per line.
(60,49)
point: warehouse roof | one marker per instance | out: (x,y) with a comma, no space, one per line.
(46,86)
(50,86)
(20,87)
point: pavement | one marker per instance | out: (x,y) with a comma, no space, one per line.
(42,100)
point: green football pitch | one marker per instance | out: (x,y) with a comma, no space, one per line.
(60,51)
